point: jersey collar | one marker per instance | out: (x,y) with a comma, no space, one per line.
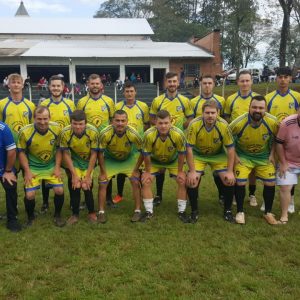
(16,102)
(95,99)
(283,95)
(56,102)
(244,97)
(171,98)
(129,106)
(207,98)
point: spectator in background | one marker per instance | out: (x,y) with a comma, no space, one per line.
(27,82)
(5,82)
(196,81)
(138,78)
(108,79)
(83,78)
(126,79)
(119,84)
(133,77)
(66,91)
(42,84)
(104,79)
(181,78)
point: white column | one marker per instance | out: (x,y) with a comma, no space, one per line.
(122,71)
(72,71)
(151,74)
(23,70)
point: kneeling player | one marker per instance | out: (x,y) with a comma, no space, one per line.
(164,148)
(39,159)
(118,154)
(80,143)
(206,138)
(254,133)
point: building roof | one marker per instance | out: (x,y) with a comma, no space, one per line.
(75,26)
(21,11)
(110,49)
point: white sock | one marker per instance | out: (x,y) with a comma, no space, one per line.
(137,210)
(148,203)
(181,205)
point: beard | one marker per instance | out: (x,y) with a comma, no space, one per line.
(256,116)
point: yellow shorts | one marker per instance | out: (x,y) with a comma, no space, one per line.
(172,168)
(50,180)
(264,172)
(82,173)
(215,167)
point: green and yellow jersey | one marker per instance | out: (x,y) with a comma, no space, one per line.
(16,114)
(254,141)
(163,150)
(138,114)
(198,102)
(119,147)
(283,105)
(209,141)
(39,148)
(236,105)
(60,111)
(80,147)
(179,108)
(98,111)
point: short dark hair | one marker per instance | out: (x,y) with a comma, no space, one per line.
(128,85)
(162,114)
(56,77)
(40,109)
(284,71)
(94,76)
(258,98)
(207,76)
(78,115)
(244,72)
(171,75)
(210,103)
(120,112)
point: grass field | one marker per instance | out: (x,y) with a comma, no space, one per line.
(161,259)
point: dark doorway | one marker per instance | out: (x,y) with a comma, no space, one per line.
(159,76)
(6,70)
(143,71)
(36,72)
(114,72)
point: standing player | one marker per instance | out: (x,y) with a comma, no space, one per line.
(206,138)
(118,145)
(181,113)
(164,148)
(207,87)
(282,103)
(15,110)
(37,144)
(79,143)
(254,133)
(236,105)
(7,176)
(98,108)
(138,118)
(60,110)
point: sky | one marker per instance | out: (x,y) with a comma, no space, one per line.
(52,8)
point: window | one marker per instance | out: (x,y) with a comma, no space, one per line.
(191,69)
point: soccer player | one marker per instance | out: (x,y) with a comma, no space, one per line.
(138,118)
(207,87)
(40,160)
(282,103)
(15,110)
(181,113)
(60,110)
(164,148)
(7,176)
(288,150)
(117,154)
(98,108)
(80,143)
(254,134)
(206,138)
(236,105)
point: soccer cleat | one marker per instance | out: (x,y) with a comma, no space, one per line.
(44,208)
(157,200)
(110,204)
(146,216)
(291,208)
(136,216)
(73,220)
(270,218)
(228,216)
(92,218)
(183,217)
(101,218)
(240,218)
(194,217)
(117,199)
(59,222)
(14,226)
(252,200)
(262,208)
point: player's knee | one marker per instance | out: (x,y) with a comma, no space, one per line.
(84,186)
(58,190)
(30,195)
(269,183)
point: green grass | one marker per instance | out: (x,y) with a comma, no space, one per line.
(161,259)
(260,88)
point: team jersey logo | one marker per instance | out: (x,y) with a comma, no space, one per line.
(265,136)
(138,116)
(25,114)
(66,112)
(178,108)
(16,126)
(52,142)
(127,144)
(291,105)
(216,140)
(45,155)
(88,144)
(103,108)
(96,121)
(170,148)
